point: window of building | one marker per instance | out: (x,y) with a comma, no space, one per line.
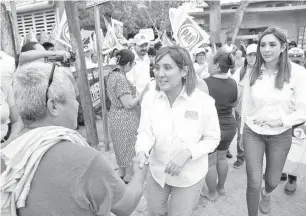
(38,21)
(279,4)
(301,40)
(269,5)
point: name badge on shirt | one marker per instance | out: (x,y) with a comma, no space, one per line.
(191,115)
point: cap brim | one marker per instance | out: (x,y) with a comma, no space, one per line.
(142,42)
(251,52)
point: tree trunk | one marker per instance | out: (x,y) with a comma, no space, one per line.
(233,31)
(214,20)
(7,40)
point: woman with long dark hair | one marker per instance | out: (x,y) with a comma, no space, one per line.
(273,101)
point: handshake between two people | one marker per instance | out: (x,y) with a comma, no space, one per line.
(173,168)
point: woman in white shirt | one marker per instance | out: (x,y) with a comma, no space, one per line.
(273,101)
(178,128)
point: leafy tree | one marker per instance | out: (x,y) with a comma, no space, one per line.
(135,15)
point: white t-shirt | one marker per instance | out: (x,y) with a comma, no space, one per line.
(139,75)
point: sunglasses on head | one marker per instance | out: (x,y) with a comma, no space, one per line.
(50,80)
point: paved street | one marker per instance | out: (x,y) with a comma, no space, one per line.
(234,203)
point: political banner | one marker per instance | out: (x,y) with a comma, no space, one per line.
(149,33)
(44,37)
(165,40)
(186,31)
(95,40)
(110,41)
(85,34)
(31,37)
(118,29)
(94,87)
(62,33)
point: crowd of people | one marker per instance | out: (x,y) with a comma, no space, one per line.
(173,116)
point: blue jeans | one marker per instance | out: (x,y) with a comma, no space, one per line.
(240,153)
(276,148)
(182,199)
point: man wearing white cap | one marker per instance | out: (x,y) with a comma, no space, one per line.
(139,75)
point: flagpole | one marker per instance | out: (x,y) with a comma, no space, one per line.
(80,66)
(101,76)
(15,28)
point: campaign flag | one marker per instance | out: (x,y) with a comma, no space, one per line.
(22,40)
(85,34)
(165,40)
(187,33)
(95,40)
(118,29)
(110,41)
(44,37)
(148,33)
(62,33)
(31,37)
(52,34)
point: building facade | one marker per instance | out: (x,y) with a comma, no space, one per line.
(38,15)
(287,15)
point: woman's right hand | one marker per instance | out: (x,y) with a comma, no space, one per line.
(142,160)
(140,165)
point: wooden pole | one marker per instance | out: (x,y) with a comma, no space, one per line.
(6,35)
(15,28)
(80,66)
(101,76)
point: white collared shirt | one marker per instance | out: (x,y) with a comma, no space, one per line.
(139,75)
(192,123)
(269,103)
(7,67)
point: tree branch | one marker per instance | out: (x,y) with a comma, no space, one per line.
(234,28)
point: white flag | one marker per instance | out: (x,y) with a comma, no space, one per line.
(62,33)
(186,32)
(110,41)
(118,29)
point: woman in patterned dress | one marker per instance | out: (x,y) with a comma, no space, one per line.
(124,113)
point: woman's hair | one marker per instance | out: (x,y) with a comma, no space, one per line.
(113,53)
(182,59)
(29,46)
(284,67)
(48,45)
(225,60)
(218,44)
(125,56)
(243,69)
(152,52)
